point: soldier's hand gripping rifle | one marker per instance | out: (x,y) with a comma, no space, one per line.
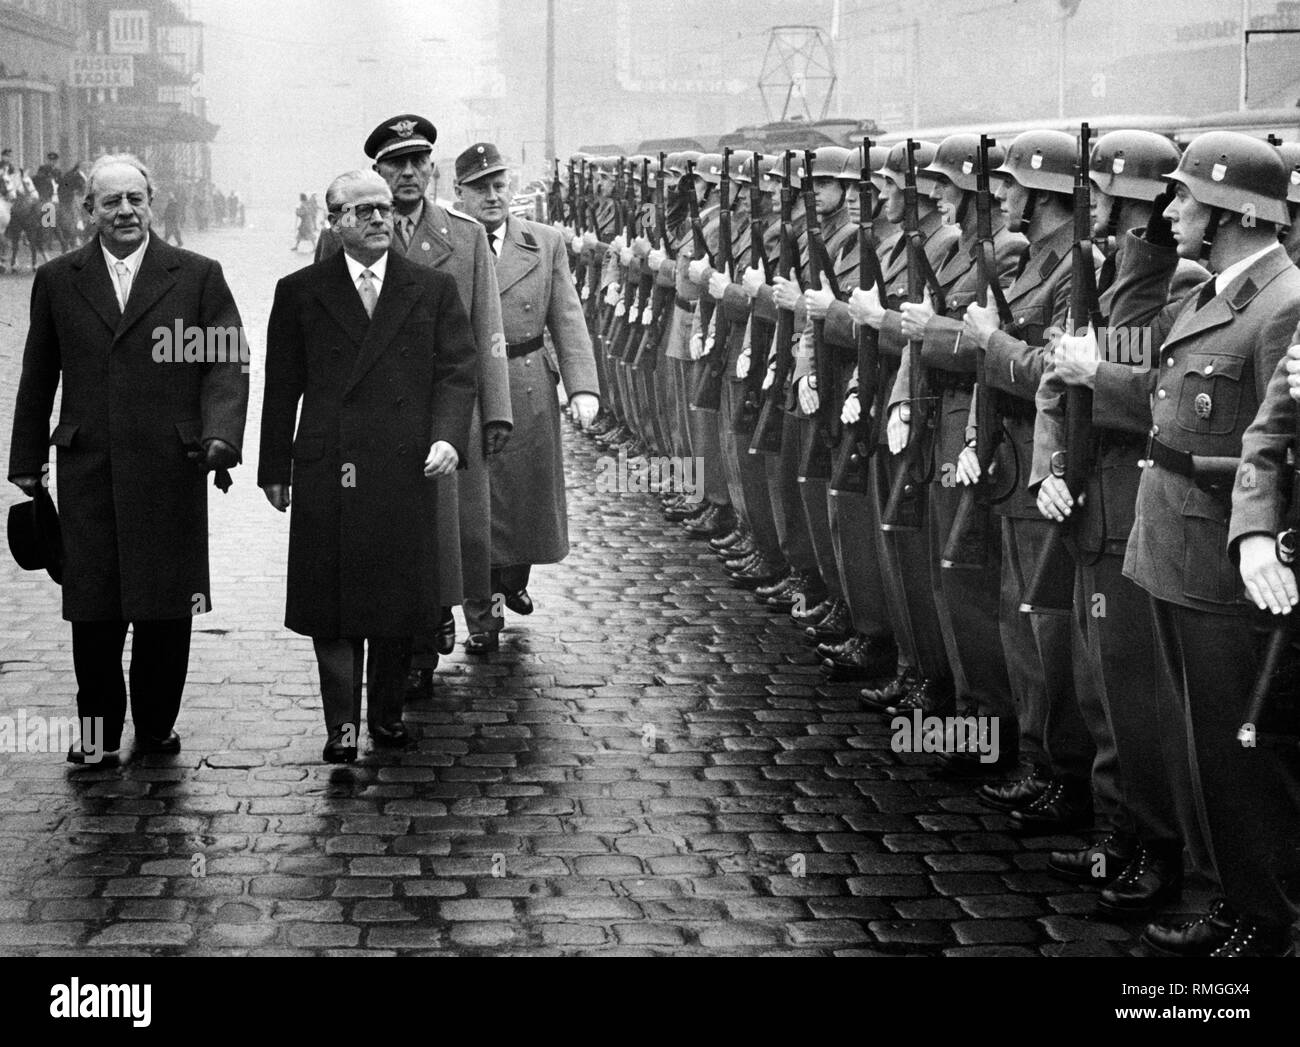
(1275,683)
(770,424)
(1051,585)
(708,387)
(661,298)
(905,509)
(609,313)
(858,441)
(815,463)
(644,288)
(621,327)
(578,216)
(967,545)
(760,331)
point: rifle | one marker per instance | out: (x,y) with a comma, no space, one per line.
(1275,683)
(746,413)
(858,443)
(967,545)
(656,305)
(555,199)
(769,427)
(646,284)
(1051,586)
(905,508)
(621,324)
(576,186)
(816,461)
(708,387)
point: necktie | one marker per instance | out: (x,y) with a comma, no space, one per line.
(123,283)
(1207,293)
(404,224)
(369,296)
(492,242)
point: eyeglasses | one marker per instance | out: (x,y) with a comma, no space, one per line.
(364,212)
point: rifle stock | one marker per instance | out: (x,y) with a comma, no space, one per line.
(816,462)
(1051,585)
(968,540)
(708,386)
(770,425)
(745,416)
(905,508)
(852,471)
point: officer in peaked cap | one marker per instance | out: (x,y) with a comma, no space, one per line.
(428,234)
(538,296)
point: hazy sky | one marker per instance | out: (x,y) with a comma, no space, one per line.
(295,101)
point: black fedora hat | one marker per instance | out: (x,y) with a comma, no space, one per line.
(35,538)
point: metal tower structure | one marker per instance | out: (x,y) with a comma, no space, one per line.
(798,74)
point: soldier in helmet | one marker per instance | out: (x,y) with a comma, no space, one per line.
(1216,353)
(1037,197)
(751,553)
(861,617)
(1136,798)
(923,674)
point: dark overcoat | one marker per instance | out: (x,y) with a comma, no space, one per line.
(538,296)
(376,393)
(133,505)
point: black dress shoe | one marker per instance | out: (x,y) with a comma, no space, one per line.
(1198,937)
(930,695)
(804,590)
(337,752)
(419,684)
(1097,864)
(743,548)
(520,602)
(888,695)
(168,746)
(840,647)
(740,561)
(727,540)
(761,573)
(682,510)
(108,758)
(1064,806)
(1009,796)
(971,763)
(392,736)
(834,627)
(784,582)
(813,615)
(1250,938)
(444,637)
(870,658)
(1146,884)
(716,520)
(482,643)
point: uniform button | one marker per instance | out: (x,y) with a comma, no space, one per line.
(1155,430)
(528,363)
(1161,394)
(528,307)
(1169,362)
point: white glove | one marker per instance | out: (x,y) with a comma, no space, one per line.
(697,346)
(742,363)
(898,426)
(647,317)
(809,401)
(771,376)
(589,239)
(718,284)
(753,281)
(620,309)
(576,244)
(852,409)
(625,256)
(586,292)
(697,270)
(612,293)
(657,258)
(620,243)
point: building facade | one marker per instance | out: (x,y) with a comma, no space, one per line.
(40,112)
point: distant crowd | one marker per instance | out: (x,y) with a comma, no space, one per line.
(44,209)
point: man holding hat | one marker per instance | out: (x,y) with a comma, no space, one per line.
(433,236)
(529,524)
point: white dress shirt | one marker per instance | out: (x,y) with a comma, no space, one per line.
(495,237)
(377,272)
(132,263)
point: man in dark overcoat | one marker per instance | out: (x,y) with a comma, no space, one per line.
(381,354)
(140,424)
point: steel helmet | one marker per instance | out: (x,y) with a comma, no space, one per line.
(1043,160)
(852,169)
(709,167)
(1132,164)
(744,165)
(957,158)
(1237,173)
(894,168)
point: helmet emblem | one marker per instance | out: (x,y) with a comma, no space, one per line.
(1219,172)
(1036,161)
(1118,166)
(404,128)
(967,167)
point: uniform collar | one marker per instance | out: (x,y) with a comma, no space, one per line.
(1224,280)
(379,270)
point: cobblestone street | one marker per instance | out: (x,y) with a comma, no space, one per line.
(651,764)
